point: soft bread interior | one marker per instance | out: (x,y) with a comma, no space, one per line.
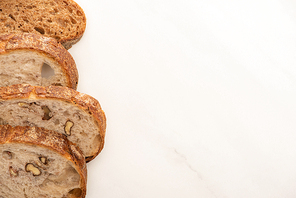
(78,125)
(30,67)
(55,176)
(63,20)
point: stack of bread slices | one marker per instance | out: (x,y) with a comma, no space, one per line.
(48,130)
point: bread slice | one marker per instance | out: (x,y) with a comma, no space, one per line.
(78,116)
(35,162)
(63,20)
(37,60)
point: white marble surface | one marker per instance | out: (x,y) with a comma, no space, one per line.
(200,97)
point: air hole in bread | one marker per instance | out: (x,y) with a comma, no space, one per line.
(40,30)
(10,15)
(26,20)
(7,155)
(70,9)
(46,71)
(74,193)
(57,84)
(47,113)
(79,13)
(57,37)
(73,21)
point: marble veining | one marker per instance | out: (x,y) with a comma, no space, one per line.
(199,97)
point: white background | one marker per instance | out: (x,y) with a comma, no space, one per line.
(200,97)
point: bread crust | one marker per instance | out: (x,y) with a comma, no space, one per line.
(50,140)
(31,20)
(45,45)
(83,101)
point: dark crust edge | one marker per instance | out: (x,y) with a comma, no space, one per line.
(68,42)
(45,45)
(83,101)
(50,140)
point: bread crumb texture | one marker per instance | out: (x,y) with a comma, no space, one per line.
(63,20)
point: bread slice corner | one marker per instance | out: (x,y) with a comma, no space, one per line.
(27,58)
(63,20)
(35,162)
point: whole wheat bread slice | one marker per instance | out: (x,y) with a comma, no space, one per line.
(37,60)
(35,162)
(63,20)
(78,116)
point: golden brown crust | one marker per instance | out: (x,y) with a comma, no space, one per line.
(63,20)
(50,140)
(83,101)
(45,45)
